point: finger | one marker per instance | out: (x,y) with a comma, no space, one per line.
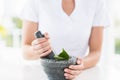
(46,35)
(76,67)
(73,72)
(38,41)
(41,45)
(69,76)
(43,50)
(79,61)
(79,65)
(46,53)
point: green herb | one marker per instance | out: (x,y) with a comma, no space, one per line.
(62,56)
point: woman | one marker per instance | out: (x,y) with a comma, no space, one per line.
(74,25)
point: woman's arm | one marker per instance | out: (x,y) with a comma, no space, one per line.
(27,37)
(33,48)
(95,43)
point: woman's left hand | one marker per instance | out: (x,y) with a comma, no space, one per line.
(74,70)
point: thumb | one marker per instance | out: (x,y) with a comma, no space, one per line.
(46,35)
(79,61)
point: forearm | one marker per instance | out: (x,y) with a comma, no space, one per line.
(28,52)
(95,43)
(91,60)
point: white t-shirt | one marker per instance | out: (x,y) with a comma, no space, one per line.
(69,32)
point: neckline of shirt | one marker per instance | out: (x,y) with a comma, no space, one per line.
(64,13)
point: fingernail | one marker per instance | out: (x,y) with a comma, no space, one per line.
(70,66)
(78,62)
(65,70)
(66,77)
(65,74)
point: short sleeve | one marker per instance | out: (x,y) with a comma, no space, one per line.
(101,17)
(30,11)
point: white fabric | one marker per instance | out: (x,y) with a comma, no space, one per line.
(69,32)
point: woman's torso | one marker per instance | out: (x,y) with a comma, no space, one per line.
(69,32)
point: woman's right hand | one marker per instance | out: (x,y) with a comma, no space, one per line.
(41,46)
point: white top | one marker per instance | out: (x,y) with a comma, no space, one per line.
(69,32)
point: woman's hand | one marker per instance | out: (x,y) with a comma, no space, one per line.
(41,46)
(74,70)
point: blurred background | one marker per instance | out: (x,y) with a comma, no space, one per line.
(11,25)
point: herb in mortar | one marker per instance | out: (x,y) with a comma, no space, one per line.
(62,56)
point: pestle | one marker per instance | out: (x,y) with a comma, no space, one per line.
(38,34)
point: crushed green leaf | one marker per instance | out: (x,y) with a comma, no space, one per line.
(62,56)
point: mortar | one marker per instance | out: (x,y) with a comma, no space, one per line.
(55,68)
